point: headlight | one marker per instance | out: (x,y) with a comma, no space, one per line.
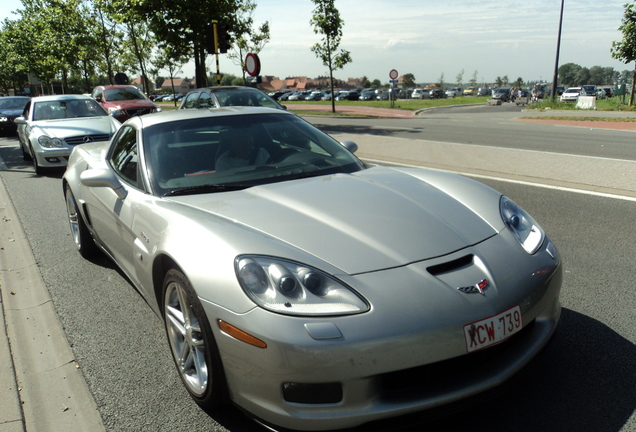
(523,227)
(49,142)
(294,289)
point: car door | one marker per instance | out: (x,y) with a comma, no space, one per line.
(110,216)
(23,136)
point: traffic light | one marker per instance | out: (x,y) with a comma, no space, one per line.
(209,39)
(224,37)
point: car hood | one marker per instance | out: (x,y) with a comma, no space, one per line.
(78,126)
(128,104)
(11,112)
(371,220)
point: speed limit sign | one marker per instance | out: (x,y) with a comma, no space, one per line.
(393,74)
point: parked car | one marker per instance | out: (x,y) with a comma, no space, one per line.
(297,95)
(502,94)
(483,91)
(285,96)
(588,90)
(314,96)
(215,97)
(470,91)
(276,94)
(124,101)
(351,95)
(420,93)
(367,94)
(11,107)
(571,94)
(451,93)
(51,126)
(437,94)
(311,290)
(609,91)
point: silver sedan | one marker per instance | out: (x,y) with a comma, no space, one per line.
(311,290)
(51,126)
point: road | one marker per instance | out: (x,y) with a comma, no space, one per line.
(584,381)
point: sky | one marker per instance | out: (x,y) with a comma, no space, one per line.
(434,39)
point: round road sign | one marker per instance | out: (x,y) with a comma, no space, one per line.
(393,74)
(252,64)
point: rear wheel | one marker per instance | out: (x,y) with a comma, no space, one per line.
(81,236)
(192,343)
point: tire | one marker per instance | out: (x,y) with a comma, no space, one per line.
(38,169)
(25,154)
(192,343)
(81,236)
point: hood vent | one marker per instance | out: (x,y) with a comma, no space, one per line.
(450,266)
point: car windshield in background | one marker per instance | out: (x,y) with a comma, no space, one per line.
(11,103)
(123,94)
(65,109)
(244,98)
(225,152)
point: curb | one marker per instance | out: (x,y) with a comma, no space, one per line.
(47,391)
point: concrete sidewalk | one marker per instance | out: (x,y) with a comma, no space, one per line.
(41,385)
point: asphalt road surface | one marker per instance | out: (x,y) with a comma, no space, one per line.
(583,381)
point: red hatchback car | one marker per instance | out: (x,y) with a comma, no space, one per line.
(123,101)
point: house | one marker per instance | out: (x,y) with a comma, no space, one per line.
(180,85)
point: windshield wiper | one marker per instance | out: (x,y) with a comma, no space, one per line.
(206,188)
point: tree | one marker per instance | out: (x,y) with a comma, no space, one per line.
(408,80)
(473,80)
(178,25)
(327,22)
(441,81)
(582,77)
(248,39)
(460,78)
(518,83)
(567,74)
(625,50)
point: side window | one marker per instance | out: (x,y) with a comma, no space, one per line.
(125,157)
(191,101)
(205,101)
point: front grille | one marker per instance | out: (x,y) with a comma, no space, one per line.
(138,111)
(433,377)
(83,139)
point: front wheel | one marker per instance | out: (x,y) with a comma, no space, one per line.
(81,236)
(192,344)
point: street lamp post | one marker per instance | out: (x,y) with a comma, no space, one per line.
(556,63)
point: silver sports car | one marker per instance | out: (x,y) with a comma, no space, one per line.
(52,125)
(309,289)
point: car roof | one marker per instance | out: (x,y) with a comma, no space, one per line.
(226,88)
(118,86)
(177,115)
(60,97)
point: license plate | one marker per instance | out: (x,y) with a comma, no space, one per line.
(489,331)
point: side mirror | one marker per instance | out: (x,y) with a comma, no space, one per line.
(20,120)
(98,99)
(350,145)
(103,178)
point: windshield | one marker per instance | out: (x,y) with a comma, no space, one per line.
(64,109)
(123,94)
(245,98)
(201,154)
(13,103)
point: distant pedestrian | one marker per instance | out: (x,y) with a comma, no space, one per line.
(535,93)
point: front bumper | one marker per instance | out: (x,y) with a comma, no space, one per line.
(407,354)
